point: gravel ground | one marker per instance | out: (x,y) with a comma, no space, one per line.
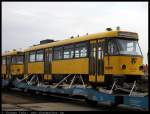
(20,101)
(12,101)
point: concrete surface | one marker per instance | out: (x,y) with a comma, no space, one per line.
(19,102)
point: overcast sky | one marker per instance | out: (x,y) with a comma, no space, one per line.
(26,23)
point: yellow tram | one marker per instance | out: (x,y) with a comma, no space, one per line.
(13,64)
(98,58)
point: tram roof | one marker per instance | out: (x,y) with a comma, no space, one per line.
(10,53)
(106,34)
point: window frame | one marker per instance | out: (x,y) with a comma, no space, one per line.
(32,54)
(22,59)
(3,58)
(58,49)
(84,52)
(115,48)
(12,57)
(70,48)
(127,47)
(38,52)
(106,50)
(79,46)
(115,38)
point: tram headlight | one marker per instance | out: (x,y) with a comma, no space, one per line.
(123,67)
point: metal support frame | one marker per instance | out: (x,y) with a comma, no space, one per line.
(114,84)
(132,88)
(29,82)
(82,81)
(72,81)
(24,78)
(37,79)
(61,81)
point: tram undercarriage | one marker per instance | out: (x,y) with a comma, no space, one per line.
(69,86)
(124,86)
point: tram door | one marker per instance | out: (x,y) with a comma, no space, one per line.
(96,61)
(8,65)
(47,64)
(26,56)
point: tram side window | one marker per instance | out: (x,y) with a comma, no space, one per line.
(68,51)
(112,48)
(13,60)
(3,60)
(32,57)
(20,59)
(77,52)
(40,55)
(66,54)
(81,50)
(58,53)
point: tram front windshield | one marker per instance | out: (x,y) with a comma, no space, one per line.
(124,47)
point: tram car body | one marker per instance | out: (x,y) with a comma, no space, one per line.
(12,64)
(99,58)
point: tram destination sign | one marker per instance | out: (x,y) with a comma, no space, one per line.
(128,35)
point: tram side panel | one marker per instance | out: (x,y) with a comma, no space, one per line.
(36,68)
(72,66)
(34,63)
(17,69)
(17,65)
(3,67)
(3,70)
